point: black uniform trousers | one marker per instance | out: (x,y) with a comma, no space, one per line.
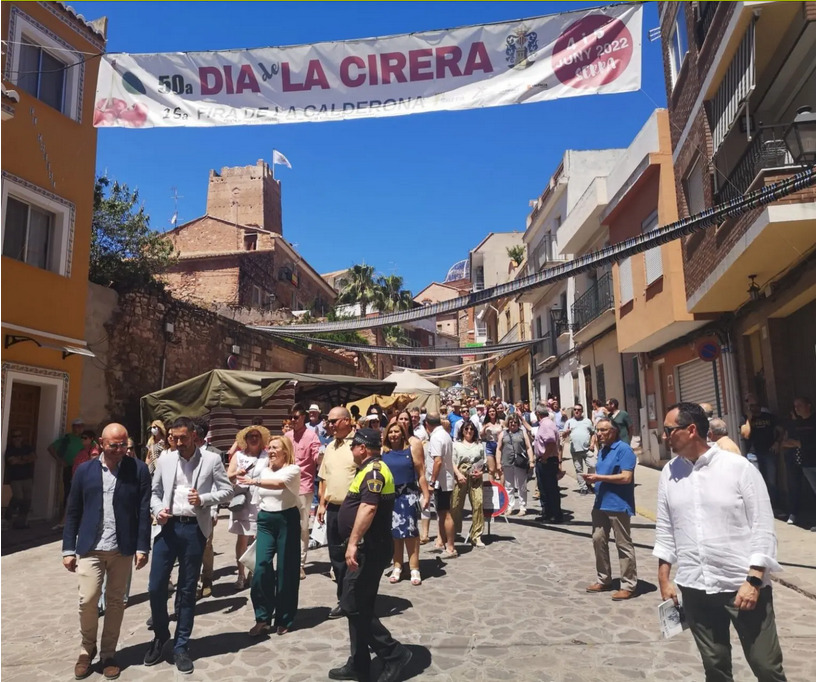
(357,600)
(337,550)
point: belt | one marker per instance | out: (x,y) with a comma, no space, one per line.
(185,519)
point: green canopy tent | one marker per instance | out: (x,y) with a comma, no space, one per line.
(242,395)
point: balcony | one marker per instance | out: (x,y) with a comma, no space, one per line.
(593,303)
(544,353)
(767,150)
(511,336)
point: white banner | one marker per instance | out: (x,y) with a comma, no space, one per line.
(588,52)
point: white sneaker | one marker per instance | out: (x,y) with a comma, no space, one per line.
(791,519)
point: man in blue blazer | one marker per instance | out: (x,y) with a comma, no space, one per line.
(107,526)
(187,483)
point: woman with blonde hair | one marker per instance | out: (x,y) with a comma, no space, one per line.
(274,590)
(156,444)
(249,461)
(407,465)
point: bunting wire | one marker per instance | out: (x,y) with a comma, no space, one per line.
(611,254)
(421,351)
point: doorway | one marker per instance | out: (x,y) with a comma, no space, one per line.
(35,401)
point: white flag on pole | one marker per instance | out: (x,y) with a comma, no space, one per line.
(279,159)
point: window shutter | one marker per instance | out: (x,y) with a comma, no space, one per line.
(625,280)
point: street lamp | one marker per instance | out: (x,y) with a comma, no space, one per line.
(753,289)
(801,136)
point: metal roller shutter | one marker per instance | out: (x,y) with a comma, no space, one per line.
(696,381)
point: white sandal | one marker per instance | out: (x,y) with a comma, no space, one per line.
(416,579)
(396,574)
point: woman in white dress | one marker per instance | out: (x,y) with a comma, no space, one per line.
(250,459)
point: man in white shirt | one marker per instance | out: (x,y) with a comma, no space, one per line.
(416,422)
(186,484)
(714,520)
(443,480)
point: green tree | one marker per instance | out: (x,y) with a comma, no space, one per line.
(125,252)
(361,287)
(390,296)
(516,253)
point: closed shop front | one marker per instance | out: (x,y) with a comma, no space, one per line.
(699,384)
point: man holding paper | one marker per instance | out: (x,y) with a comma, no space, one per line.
(714,520)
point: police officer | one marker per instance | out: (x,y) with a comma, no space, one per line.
(364,522)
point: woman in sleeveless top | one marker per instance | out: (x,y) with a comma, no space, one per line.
(250,459)
(408,469)
(490,432)
(516,460)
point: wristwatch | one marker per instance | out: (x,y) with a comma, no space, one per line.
(754,581)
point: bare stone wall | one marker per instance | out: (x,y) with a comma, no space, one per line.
(138,351)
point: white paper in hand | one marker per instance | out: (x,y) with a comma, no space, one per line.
(672,619)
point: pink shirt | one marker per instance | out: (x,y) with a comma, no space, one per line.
(307,449)
(546,438)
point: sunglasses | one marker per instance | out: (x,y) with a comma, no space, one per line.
(669,430)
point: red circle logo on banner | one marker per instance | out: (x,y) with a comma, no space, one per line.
(593,51)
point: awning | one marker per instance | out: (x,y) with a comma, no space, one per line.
(509,359)
(66,349)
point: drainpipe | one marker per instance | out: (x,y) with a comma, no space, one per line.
(732,391)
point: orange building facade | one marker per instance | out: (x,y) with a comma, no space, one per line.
(48,166)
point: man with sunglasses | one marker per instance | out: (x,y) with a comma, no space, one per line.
(714,520)
(337,471)
(107,527)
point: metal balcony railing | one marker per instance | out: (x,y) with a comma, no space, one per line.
(596,300)
(705,16)
(766,150)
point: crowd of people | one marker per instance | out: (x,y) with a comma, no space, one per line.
(374,481)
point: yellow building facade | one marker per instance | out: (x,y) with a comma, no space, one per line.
(48,164)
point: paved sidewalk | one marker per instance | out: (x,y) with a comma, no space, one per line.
(796,547)
(515,610)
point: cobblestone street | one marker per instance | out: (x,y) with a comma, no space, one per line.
(516,610)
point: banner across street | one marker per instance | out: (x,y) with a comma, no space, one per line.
(586,52)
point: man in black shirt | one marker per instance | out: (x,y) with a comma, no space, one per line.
(801,441)
(19,474)
(364,521)
(761,432)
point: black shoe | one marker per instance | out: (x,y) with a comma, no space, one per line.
(392,670)
(184,663)
(100,611)
(336,612)
(149,623)
(347,672)
(154,651)
(584,491)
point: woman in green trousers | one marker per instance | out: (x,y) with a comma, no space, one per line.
(274,590)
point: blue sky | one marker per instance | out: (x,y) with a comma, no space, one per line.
(409,194)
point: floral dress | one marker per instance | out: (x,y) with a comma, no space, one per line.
(406,503)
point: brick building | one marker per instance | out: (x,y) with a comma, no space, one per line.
(236,254)
(737,76)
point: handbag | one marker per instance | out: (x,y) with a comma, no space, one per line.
(521,461)
(248,558)
(241,497)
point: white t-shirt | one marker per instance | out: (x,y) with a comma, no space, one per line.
(441,445)
(280,499)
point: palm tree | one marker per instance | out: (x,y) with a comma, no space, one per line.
(390,295)
(361,287)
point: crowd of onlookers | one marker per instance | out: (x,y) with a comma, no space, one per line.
(282,489)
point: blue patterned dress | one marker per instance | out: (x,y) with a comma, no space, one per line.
(406,504)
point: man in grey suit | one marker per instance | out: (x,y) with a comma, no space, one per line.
(183,524)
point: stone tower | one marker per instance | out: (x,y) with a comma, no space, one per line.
(246,195)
